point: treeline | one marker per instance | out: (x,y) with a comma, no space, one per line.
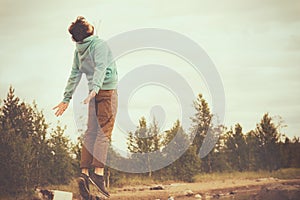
(263,148)
(32,155)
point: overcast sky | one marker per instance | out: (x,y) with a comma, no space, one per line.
(255,46)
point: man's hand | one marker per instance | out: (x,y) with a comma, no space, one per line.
(61,108)
(91,95)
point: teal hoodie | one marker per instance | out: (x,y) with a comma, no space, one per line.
(93,58)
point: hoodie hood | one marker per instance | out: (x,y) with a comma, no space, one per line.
(93,58)
(83,46)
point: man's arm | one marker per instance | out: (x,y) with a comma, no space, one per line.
(73,80)
(101,63)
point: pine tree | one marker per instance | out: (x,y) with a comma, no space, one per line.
(206,137)
(285,153)
(41,150)
(218,154)
(253,151)
(61,160)
(237,149)
(201,122)
(144,141)
(15,145)
(295,149)
(25,150)
(176,143)
(215,160)
(268,137)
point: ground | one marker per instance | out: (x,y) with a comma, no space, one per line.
(283,184)
(263,188)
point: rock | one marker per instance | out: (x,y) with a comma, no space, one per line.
(206,196)
(198,196)
(216,196)
(188,193)
(58,195)
(157,187)
(53,194)
(171,198)
(44,194)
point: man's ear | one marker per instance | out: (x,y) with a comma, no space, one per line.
(93,30)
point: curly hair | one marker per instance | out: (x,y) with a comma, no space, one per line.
(80,29)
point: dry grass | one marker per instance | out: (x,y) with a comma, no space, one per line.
(134,180)
(289,173)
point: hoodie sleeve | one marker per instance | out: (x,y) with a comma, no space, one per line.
(73,80)
(101,63)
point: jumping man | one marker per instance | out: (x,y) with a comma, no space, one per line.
(93,58)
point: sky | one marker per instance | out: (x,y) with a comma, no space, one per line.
(255,46)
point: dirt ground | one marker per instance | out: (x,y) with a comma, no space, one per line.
(266,188)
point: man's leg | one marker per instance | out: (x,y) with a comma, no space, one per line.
(99,171)
(89,138)
(87,150)
(106,109)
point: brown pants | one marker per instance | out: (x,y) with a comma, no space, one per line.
(101,118)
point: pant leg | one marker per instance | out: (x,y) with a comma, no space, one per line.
(106,110)
(89,137)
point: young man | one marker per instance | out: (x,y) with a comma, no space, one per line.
(93,58)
